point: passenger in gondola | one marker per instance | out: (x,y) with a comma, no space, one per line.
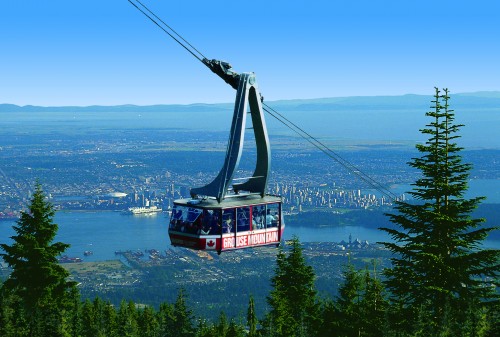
(275,219)
(257,220)
(227,226)
(210,225)
(270,219)
(205,229)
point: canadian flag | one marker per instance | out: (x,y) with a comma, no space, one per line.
(210,244)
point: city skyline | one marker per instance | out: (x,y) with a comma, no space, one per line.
(107,53)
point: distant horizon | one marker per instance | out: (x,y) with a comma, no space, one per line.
(481,93)
(395,118)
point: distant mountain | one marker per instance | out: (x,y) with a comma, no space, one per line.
(482,98)
(360,119)
(113,108)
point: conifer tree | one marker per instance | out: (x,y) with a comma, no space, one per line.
(37,279)
(439,263)
(373,304)
(349,320)
(251,318)
(165,319)
(222,325)
(235,330)
(148,324)
(293,299)
(204,329)
(7,315)
(74,313)
(182,323)
(110,319)
(127,320)
(89,320)
(330,319)
(360,307)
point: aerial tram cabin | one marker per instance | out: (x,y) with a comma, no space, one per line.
(234,223)
(224,215)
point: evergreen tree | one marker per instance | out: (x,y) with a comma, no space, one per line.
(222,325)
(148,324)
(235,330)
(494,320)
(165,319)
(182,323)
(330,319)
(7,314)
(360,307)
(439,264)
(89,320)
(127,320)
(203,329)
(349,303)
(98,318)
(373,304)
(251,318)
(37,279)
(74,313)
(110,319)
(293,299)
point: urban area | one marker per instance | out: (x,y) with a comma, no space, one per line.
(124,171)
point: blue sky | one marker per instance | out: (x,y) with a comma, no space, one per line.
(105,52)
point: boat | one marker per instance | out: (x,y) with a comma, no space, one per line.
(67,259)
(144,210)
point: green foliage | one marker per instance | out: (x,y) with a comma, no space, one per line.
(37,280)
(10,322)
(127,319)
(148,324)
(439,288)
(165,318)
(251,318)
(182,323)
(349,303)
(89,319)
(293,299)
(222,325)
(360,307)
(235,330)
(374,304)
(439,265)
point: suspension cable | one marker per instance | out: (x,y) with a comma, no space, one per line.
(166,25)
(329,152)
(167,32)
(285,121)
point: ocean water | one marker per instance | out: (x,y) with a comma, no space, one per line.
(105,233)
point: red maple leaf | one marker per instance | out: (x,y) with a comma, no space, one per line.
(210,243)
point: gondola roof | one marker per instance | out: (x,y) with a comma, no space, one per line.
(229,202)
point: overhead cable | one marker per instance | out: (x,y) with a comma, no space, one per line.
(192,51)
(329,152)
(285,121)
